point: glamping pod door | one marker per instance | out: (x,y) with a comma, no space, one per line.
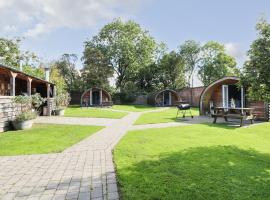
(232,96)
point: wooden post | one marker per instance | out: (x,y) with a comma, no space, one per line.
(49,112)
(13,83)
(29,83)
(100,97)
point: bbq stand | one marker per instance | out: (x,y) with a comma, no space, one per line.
(184,108)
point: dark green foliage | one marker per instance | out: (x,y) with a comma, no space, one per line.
(126,47)
(67,68)
(97,68)
(257,69)
(215,63)
(171,71)
(190,54)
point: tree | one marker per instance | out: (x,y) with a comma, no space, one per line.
(215,63)
(147,79)
(190,53)
(34,71)
(256,71)
(10,54)
(67,67)
(96,70)
(171,71)
(58,80)
(127,47)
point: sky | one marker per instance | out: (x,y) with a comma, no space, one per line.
(53,27)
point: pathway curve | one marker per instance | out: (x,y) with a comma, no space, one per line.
(83,171)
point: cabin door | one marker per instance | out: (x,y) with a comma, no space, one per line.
(167,98)
(232,96)
(96,98)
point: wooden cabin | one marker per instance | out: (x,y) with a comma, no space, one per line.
(165,97)
(224,92)
(13,83)
(96,97)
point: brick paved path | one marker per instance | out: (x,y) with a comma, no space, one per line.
(83,171)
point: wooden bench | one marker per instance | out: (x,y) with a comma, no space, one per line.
(233,113)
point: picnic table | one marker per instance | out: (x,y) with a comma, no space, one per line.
(233,113)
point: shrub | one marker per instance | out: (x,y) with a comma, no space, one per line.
(62,100)
(33,101)
(37,101)
(24,116)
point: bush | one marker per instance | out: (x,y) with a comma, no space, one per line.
(33,101)
(25,116)
(62,100)
(25,100)
(37,101)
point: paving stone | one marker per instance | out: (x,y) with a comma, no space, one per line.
(83,171)
(113,196)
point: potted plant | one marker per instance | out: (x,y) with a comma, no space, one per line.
(24,120)
(61,101)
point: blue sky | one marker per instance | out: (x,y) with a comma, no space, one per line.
(52,28)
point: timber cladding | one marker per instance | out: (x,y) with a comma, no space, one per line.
(259,109)
(8,112)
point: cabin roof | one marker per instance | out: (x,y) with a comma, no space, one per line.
(25,74)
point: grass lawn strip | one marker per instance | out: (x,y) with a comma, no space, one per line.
(43,138)
(163,116)
(77,111)
(134,108)
(203,161)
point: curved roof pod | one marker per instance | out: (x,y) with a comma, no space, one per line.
(210,89)
(166,97)
(96,96)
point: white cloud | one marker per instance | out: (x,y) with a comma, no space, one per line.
(234,50)
(35,17)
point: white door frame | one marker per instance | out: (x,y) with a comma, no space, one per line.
(225,96)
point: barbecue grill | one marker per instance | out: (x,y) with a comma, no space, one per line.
(184,108)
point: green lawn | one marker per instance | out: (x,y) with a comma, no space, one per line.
(43,138)
(77,111)
(134,108)
(198,162)
(162,116)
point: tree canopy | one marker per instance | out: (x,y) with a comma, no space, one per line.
(127,48)
(190,54)
(215,63)
(257,69)
(96,69)
(67,68)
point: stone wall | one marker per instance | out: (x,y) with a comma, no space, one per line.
(185,95)
(8,111)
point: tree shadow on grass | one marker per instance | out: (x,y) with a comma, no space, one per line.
(221,172)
